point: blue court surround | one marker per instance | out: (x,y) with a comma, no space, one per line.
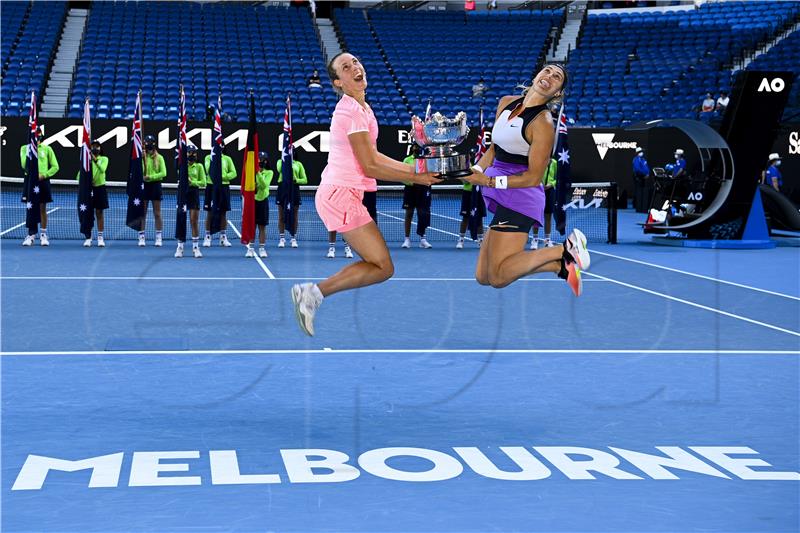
(657,352)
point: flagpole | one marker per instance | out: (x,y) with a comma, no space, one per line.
(558,125)
(139,110)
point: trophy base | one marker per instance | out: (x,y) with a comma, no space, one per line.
(451,166)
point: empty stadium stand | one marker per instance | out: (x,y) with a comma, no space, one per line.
(30,31)
(627,66)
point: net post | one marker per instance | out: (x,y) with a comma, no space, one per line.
(612,213)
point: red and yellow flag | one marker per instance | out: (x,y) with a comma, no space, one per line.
(249,169)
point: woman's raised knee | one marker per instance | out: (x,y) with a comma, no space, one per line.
(497,282)
(387,268)
(482,279)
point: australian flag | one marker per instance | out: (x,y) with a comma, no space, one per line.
(85,204)
(476,198)
(182,170)
(249,170)
(215,170)
(563,174)
(134,218)
(30,192)
(286,188)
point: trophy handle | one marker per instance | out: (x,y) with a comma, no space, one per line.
(418,131)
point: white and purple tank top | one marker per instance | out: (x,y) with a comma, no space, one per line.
(511,157)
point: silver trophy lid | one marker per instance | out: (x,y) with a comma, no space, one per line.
(438,129)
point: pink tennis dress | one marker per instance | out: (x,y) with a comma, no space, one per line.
(343,182)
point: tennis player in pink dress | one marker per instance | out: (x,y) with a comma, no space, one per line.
(353,164)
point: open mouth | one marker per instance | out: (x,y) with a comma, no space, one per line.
(358,77)
(544,83)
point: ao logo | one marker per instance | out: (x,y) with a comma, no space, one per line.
(775,85)
(794,143)
(697,196)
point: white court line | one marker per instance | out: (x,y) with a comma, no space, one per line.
(243,278)
(258,259)
(329,351)
(414,224)
(20,225)
(447,217)
(699,306)
(131,278)
(697,275)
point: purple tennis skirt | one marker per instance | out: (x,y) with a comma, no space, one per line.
(528,201)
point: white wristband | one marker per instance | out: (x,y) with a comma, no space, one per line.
(478,168)
(501,182)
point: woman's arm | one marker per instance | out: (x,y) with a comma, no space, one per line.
(160,168)
(377,165)
(487,158)
(301,179)
(542,136)
(101,163)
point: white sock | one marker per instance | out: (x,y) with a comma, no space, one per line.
(158,234)
(208,234)
(317,292)
(460,236)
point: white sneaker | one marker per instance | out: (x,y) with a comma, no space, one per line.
(460,244)
(87,243)
(281,243)
(101,242)
(548,243)
(406,243)
(575,246)
(293,243)
(29,240)
(223,241)
(331,253)
(348,253)
(306,304)
(179,250)
(44,240)
(159,241)
(141,241)
(262,252)
(196,252)
(535,244)
(250,252)
(423,243)
(207,241)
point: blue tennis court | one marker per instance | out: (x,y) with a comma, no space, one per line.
(146,393)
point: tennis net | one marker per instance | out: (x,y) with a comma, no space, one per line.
(591,208)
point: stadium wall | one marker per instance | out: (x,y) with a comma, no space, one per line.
(596,154)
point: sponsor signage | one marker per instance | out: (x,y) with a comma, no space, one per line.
(605,142)
(536,463)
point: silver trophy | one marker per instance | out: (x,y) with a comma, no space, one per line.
(438,137)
